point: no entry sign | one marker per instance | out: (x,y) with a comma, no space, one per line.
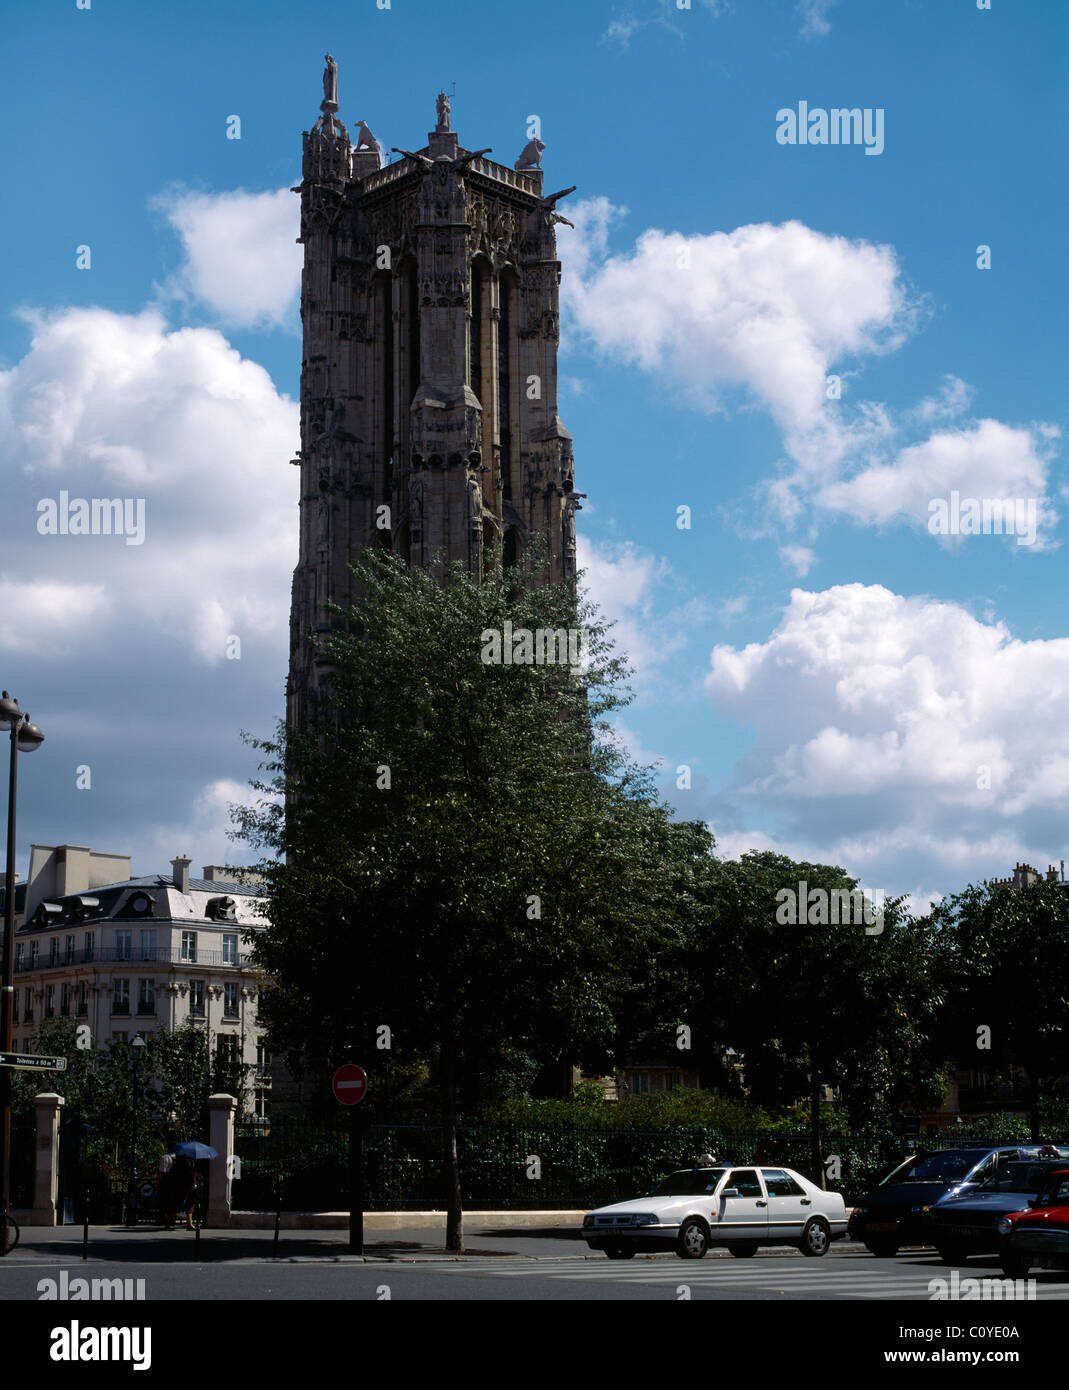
(350,1084)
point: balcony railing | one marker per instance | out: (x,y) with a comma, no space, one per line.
(156,955)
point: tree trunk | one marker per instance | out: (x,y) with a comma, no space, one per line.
(814,1130)
(454,1228)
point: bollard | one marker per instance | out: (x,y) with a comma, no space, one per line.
(278,1223)
(196,1240)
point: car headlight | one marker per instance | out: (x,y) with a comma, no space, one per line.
(1005,1226)
(645,1218)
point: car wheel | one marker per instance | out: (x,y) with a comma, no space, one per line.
(816,1237)
(952,1253)
(742,1249)
(620,1252)
(693,1239)
(882,1249)
(1014,1267)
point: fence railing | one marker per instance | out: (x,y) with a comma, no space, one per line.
(302,1166)
(119,955)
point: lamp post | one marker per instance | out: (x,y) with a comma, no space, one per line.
(139,1046)
(25,737)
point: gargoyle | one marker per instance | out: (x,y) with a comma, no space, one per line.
(419,158)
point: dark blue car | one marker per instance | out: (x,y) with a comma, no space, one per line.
(960,1225)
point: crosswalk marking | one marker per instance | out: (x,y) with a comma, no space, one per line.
(849,1276)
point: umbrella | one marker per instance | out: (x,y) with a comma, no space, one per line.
(193,1149)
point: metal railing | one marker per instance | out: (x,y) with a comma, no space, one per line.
(118,955)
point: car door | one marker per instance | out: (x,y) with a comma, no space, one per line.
(744,1216)
(789,1205)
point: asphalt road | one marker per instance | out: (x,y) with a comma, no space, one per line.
(501,1265)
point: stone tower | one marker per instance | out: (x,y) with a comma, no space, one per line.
(429,417)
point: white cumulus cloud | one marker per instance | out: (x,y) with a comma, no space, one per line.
(241,257)
(906,738)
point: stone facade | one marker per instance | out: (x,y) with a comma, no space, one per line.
(429,419)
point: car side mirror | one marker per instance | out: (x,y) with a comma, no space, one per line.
(730,1192)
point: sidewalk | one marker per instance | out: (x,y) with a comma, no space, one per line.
(503,1237)
(492,1235)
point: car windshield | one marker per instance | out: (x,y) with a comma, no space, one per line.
(949,1166)
(692,1182)
(1019,1177)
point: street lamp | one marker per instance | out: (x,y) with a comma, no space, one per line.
(139,1046)
(25,737)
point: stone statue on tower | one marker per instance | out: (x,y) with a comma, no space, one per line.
(330,85)
(443,114)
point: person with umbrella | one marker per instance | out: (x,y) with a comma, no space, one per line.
(181,1182)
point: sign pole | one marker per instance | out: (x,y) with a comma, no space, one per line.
(350,1088)
(356,1182)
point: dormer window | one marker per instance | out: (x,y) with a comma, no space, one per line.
(140,904)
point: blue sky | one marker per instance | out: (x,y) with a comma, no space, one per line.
(903,714)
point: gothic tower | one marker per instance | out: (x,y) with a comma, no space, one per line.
(429,418)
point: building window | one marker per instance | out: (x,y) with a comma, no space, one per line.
(27,1006)
(230,948)
(53,951)
(120,1034)
(263,1058)
(260,1105)
(189,947)
(148,943)
(33,955)
(70,950)
(123,940)
(18,955)
(226,1045)
(83,999)
(50,1001)
(230,999)
(64,1001)
(146,996)
(90,945)
(120,1003)
(196,998)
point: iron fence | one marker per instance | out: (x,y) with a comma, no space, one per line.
(301,1166)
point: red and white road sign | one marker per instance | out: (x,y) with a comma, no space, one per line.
(350,1084)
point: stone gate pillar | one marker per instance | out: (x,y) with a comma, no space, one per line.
(221,1138)
(46,1110)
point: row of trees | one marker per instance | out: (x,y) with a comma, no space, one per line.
(460,853)
(177,1072)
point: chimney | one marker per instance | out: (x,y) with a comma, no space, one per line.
(180,867)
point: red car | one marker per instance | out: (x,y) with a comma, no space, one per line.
(1039,1235)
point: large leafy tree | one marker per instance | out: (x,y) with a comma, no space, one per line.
(1008,966)
(814,1003)
(468,861)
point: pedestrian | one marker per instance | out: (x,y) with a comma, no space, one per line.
(179,1196)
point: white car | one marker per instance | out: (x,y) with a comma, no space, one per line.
(741,1208)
